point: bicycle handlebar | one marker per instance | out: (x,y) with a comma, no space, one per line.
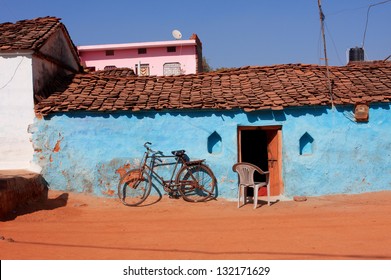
(147,144)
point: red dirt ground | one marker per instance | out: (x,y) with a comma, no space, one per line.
(76,226)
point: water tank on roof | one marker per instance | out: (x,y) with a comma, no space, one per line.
(356,54)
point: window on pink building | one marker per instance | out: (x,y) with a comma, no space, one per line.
(142,51)
(109,52)
(171,49)
(90,69)
(109,67)
(144,69)
(172,69)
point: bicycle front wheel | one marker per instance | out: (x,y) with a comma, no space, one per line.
(196,183)
(134,187)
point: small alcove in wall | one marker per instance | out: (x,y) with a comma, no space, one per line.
(306,144)
(214,143)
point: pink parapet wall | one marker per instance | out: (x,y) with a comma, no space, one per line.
(162,58)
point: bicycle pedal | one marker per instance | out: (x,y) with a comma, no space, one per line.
(173,196)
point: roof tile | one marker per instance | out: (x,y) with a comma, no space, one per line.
(27,34)
(249,88)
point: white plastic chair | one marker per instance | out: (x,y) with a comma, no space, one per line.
(246,180)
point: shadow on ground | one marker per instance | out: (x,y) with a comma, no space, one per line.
(43,204)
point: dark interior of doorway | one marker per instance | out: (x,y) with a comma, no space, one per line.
(254,150)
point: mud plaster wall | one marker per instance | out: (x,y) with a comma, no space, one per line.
(16,111)
(85,152)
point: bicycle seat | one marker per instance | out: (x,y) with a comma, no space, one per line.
(179,153)
(195,162)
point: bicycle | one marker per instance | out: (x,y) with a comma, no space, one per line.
(194,181)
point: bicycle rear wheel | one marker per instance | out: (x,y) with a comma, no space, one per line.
(134,187)
(196,183)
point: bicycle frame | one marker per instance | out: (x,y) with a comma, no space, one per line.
(152,165)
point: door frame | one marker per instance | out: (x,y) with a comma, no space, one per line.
(279,185)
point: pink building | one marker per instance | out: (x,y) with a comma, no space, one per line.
(162,58)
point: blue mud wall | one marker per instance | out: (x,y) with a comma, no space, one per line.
(324,151)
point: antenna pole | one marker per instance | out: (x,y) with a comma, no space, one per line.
(322,17)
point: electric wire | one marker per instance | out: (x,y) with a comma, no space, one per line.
(366,23)
(335,47)
(346,11)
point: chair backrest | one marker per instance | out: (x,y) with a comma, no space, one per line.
(246,173)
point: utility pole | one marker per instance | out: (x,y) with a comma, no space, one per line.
(322,17)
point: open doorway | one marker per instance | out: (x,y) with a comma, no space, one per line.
(261,146)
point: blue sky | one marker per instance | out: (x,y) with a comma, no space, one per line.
(233,33)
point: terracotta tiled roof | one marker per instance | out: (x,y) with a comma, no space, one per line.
(248,88)
(27,34)
(116,72)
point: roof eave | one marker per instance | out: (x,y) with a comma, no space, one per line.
(138,45)
(16,52)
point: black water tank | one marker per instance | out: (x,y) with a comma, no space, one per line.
(356,54)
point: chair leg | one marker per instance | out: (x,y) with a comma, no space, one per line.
(244,195)
(241,196)
(255,198)
(268,194)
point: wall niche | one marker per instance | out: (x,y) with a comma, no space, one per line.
(306,144)
(214,143)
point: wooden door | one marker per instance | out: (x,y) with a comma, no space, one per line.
(274,161)
(262,146)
